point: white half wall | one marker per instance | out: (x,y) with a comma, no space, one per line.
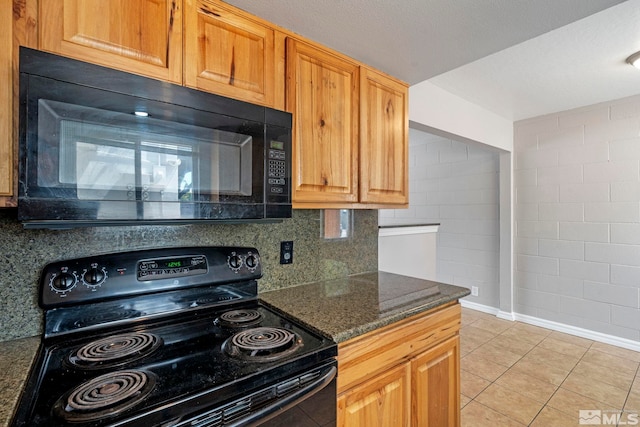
(410,251)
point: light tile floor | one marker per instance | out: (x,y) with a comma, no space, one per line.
(516,374)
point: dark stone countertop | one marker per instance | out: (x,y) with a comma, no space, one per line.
(348,307)
(16,358)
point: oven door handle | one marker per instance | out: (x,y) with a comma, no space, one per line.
(268,412)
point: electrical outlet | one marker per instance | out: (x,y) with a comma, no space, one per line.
(474,291)
(286,252)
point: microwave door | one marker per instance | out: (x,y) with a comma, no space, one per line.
(168,181)
(158,176)
(227,166)
(150,177)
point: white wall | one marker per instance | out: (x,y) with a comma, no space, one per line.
(577,217)
(410,251)
(457,185)
(439,111)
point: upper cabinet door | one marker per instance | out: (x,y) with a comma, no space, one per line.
(6,103)
(139,36)
(230,54)
(322,94)
(384,140)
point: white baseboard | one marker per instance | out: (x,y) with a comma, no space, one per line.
(555,326)
(506,315)
(479,307)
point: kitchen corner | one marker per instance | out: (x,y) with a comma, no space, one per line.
(344,309)
(247,167)
(27,251)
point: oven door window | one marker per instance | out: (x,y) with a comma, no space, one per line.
(111,156)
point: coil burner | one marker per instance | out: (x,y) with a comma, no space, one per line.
(115,350)
(105,396)
(239,318)
(262,344)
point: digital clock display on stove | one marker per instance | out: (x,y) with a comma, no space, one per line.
(165,268)
(172,264)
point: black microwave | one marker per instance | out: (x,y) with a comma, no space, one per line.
(102,147)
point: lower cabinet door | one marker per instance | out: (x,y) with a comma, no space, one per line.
(383,401)
(435,386)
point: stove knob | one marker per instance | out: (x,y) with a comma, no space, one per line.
(251,262)
(94,277)
(63,283)
(235,262)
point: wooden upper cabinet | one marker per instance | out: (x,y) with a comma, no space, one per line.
(6,103)
(323,95)
(232,54)
(139,36)
(384,141)
(350,133)
(17,28)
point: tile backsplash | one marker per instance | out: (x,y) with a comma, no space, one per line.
(24,252)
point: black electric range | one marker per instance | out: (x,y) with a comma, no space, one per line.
(173,337)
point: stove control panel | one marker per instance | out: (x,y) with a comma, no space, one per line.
(174,267)
(237,261)
(133,273)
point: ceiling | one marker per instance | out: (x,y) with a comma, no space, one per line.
(517,58)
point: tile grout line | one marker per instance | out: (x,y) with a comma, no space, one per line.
(557,388)
(629,392)
(507,370)
(560,386)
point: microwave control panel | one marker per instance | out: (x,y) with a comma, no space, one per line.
(277,168)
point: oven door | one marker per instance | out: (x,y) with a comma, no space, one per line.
(315,406)
(308,399)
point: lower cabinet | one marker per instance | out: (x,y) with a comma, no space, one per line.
(406,374)
(381,401)
(435,386)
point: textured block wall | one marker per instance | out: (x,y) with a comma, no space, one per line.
(577,217)
(456,184)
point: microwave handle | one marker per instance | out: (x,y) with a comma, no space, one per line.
(268,412)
